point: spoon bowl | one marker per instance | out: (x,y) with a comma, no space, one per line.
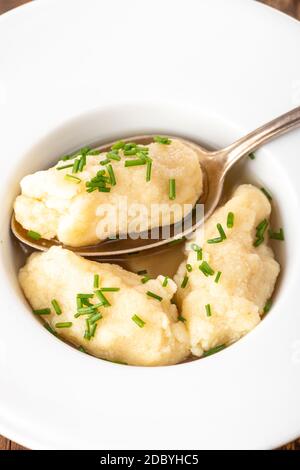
(214,165)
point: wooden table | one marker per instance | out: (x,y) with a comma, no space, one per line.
(291,7)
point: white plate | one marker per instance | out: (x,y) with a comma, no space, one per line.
(207,69)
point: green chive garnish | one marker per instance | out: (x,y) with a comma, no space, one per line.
(42,311)
(181,318)
(165,281)
(208,310)
(276,235)
(266,193)
(75,166)
(260,231)
(251,156)
(85,296)
(82,163)
(215,240)
(162,140)
(96,281)
(145,279)
(267,306)
(141,323)
(79,303)
(48,327)
(94,152)
(149,169)
(130,152)
(154,296)
(95,317)
(111,175)
(220,238)
(218,277)
(137,162)
(118,145)
(189,267)
(93,329)
(75,179)
(184,282)
(33,235)
(143,271)
(81,349)
(64,167)
(104,162)
(214,350)
(206,269)
(198,250)
(65,324)
(130,145)
(56,307)
(172,188)
(113,156)
(83,151)
(230,219)
(110,289)
(102,298)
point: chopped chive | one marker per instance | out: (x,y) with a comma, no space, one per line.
(113,156)
(206,269)
(102,298)
(260,231)
(230,219)
(154,296)
(42,311)
(82,163)
(130,145)
(33,235)
(218,277)
(94,152)
(110,289)
(176,241)
(96,281)
(118,145)
(129,152)
(64,167)
(267,306)
(145,279)
(215,240)
(75,166)
(162,140)
(214,350)
(276,235)
(189,268)
(56,307)
(85,296)
(266,193)
(172,188)
(111,175)
(184,281)
(181,318)
(208,310)
(65,324)
(141,323)
(85,310)
(198,250)
(82,151)
(104,190)
(149,170)
(221,231)
(79,303)
(143,271)
(81,349)
(165,281)
(95,317)
(87,333)
(72,178)
(48,327)
(251,156)
(134,162)
(104,162)
(93,329)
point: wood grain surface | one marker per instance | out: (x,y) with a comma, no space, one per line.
(291,7)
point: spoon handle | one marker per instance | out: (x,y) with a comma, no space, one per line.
(260,136)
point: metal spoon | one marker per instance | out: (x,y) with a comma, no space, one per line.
(215,166)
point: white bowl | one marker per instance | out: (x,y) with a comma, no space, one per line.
(209,70)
